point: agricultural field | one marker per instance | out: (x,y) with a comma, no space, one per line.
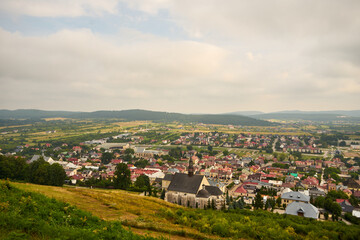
(65,130)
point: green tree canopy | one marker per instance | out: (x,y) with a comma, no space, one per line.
(142,182)
(129,151)
(122,176)
(107,157)
(258,201)
(57,175)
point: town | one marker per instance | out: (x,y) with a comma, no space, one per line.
(219,167)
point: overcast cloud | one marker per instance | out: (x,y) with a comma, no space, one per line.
(180,56)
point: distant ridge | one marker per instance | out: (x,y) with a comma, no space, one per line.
(323,116)
(245,113)
(137,114)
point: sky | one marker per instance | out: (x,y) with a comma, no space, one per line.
(203,56)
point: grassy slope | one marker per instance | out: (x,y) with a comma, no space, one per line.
(140,213)
(30,215)
(151,215)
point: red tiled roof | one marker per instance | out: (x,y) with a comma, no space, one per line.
(240,190)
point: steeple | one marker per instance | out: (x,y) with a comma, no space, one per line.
(191,168)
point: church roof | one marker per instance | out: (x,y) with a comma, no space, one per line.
(203,194)
(168,177)
(213,190)
(181,182)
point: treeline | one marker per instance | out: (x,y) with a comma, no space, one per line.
(16,122)
(133,115)
(26,215)
(122,180)
(38,172)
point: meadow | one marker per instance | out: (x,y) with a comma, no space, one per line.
(155,217)
(29,215)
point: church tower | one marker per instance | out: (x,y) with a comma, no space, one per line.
(191,168)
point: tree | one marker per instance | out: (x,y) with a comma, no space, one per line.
(189,147)
(319,202)
(210,148)
(258,201)
(143,182)
(107,157)
(282,157)
(41,174)
(32,174)
(278,201)
(227,197)
(342,144)
(213,204)
(13,168)
(337,195)
(122,176)
(141,163)
(129,151)
(336,210)
(226,152)
(57,175)
(163,194)
(127,157)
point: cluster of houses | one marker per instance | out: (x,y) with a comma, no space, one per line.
(225,140)
(298,144)
(197,180)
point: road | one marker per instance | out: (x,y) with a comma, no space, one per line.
(274,144)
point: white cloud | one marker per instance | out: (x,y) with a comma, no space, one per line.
(59,8)
(248,55)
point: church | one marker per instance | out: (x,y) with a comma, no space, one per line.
(192,190)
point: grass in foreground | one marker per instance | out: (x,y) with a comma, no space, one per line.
(150,214)
(140,213)
(29,215)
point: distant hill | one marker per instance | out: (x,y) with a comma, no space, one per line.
(323,116)
(136,114)
(349,113)
(308,116)
(245,113)
(33,114)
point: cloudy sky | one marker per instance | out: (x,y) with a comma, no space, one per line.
(201,56)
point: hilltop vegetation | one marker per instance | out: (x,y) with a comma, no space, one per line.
(27,215)
(148,213)
(133,115)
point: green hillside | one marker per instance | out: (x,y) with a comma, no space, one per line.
(28,215)
(151,214)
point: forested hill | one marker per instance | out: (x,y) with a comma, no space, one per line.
(132,115)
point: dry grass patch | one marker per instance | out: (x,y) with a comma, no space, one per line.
(138,212)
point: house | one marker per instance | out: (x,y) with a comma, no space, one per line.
(141,152)
(353,184)
(310,182)
(303,209)
(113,146)
(289,197)
(192,190)
(47,159)
(345,205)
(242,192)
(316,192)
